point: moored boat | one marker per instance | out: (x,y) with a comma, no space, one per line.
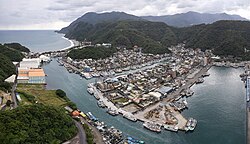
(90,90)
(96,96)
(155,127)
(131,140)
(112,112)
(171,128)
(130,117)
(101,104)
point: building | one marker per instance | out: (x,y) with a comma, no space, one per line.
(30,63)
(44,58)
(11,79)
(31,76)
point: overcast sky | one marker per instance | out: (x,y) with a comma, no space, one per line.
(55,14)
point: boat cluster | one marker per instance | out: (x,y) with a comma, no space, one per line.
(155,127)
(200,80)
(111,135)
(187,93)
(179,105)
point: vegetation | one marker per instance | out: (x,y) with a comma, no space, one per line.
(18,47)
(8,53)
(11,53)
(89,134)
(6,69)
(63,95)
(32,93)
(91,52)
(37,123)
(223,37)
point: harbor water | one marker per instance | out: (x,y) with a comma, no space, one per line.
(218,104)
(35,40)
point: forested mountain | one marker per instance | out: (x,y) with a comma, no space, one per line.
(18,47)
(14,54)
(6,67)
(7,56)
(192,18)
(93,18)
(154,37)
(223,37)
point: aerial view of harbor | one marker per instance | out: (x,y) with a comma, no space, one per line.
(78,73)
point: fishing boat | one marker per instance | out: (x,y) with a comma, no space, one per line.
(96,96)
(171,128)
(112,112)
(131,140)
(130,117)
(200,80)
(101,104)
(90,90)
(155,127)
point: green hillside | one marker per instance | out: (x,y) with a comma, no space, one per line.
(34,124)
(7,56)
(154,37)
(18,47)
(11,53)
(223,37)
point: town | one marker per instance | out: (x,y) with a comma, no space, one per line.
(145,87)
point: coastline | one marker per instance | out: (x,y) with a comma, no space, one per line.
(73,43)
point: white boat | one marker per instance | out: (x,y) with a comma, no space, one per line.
(189,93)
(191,124)
(171,128)
(112,112)
(90,90)
(101,104)
(130,117)
(96,96)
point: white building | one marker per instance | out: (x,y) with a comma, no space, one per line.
(30,63)
(44,58)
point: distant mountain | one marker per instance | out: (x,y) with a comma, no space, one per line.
(225,37)
(154,37)
(93,18)
(192,18)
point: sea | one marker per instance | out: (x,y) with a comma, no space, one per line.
(218,104)
(36,40)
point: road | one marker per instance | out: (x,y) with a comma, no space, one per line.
(81,133)
(97,135)
(13,94)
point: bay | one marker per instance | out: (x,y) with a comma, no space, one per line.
(35,40)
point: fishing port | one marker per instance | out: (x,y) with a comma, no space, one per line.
(153,92)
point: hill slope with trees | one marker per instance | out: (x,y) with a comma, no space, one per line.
(35,124)
(225,37)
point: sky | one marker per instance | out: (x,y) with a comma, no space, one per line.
(55,14)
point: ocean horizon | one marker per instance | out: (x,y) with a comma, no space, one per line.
(36,40)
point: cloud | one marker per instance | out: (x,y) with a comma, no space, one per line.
(51,14)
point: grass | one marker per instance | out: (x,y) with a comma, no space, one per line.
(41,95)
(89,134)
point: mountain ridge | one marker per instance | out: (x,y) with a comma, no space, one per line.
(192,18)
